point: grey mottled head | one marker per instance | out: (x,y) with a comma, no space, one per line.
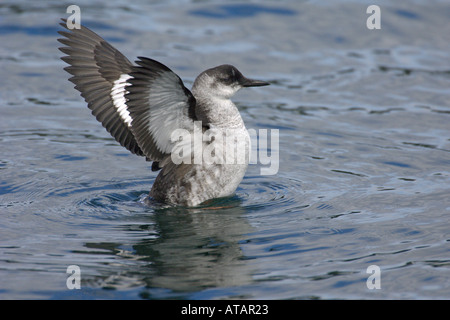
(223,82)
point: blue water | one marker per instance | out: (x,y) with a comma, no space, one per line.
(364,156)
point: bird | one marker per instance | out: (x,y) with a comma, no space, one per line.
(148,110)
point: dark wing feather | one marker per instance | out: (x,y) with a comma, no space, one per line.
(140,106)
(96,67)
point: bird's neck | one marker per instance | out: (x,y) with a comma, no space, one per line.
(218,112)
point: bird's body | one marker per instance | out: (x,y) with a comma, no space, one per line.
(192,184)
(197,139)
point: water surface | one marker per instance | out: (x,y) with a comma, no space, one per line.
(364,156)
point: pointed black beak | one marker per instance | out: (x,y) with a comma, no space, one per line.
(245,82)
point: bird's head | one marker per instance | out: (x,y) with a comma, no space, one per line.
(223,82)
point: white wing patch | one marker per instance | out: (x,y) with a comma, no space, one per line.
(118,93)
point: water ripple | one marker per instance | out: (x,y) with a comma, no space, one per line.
(279,192)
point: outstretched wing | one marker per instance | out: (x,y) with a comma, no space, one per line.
(140,106)
(100,73)
(158,103)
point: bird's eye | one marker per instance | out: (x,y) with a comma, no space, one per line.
(227,80)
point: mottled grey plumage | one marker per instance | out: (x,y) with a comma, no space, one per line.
(142,105)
